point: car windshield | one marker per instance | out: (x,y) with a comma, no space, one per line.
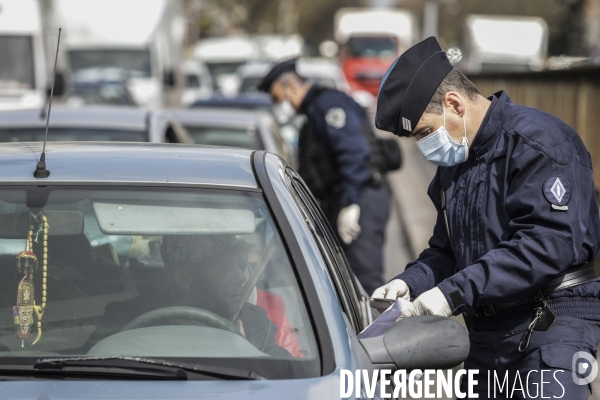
(135,63)
(383,47)
(197,275)
(16,63)
(71,134)
(109,94)
(247,138)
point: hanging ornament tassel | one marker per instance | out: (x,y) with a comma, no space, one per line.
(39,310)
(23,312)
(27,259)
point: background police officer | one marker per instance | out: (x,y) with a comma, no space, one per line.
(335,158)
(517,225)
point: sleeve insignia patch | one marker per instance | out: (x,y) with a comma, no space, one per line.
(558,192)
(336,118)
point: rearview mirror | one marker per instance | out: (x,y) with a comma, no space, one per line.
(423,342)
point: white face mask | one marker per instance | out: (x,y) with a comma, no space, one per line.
(284,112)
(439,148)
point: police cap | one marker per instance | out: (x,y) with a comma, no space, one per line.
(408,86)
(276,71)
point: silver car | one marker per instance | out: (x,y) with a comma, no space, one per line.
(250,129)
(149,271)
(94,123)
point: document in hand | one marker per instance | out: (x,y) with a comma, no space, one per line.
(386,320)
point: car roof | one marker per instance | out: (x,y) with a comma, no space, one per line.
(314,67)
(129,118)
(222,117)
(194,66)
(319,67)
(128,164)
(243,100)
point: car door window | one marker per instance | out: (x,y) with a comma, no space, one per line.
(279,142)
(342,278)
(177,133)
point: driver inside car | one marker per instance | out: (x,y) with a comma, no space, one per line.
(206,272)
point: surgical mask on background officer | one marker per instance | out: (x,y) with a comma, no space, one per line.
(284,112)
(288,93)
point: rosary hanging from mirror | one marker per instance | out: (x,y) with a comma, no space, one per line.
(27,263)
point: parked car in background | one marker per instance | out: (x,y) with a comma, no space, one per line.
(245,101)
(83,92)
(318,70)
(258,102)
(230,281)
(198,83)
(223,56)
(273,47)
(253,130)
(102,123)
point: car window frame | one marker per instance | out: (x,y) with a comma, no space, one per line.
(303,275)
(342,277)
(181,134)
(360,301)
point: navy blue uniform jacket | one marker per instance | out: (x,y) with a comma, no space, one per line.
(507,239)
(337,121)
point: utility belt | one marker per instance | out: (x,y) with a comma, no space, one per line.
(572,277)
(543,316)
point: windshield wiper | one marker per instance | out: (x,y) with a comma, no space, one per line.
(134,368)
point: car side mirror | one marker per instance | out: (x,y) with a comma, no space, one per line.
(59,85)
(423,342)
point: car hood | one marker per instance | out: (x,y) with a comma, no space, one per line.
(327,387)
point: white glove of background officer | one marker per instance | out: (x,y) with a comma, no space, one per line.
(431,302)
(393,290)
(347,223)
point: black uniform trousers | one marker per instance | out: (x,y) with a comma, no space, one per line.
(545,370)
(365,253)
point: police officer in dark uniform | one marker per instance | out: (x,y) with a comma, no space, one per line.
(336,162)
(516,233)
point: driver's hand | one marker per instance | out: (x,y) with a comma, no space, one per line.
(393,290)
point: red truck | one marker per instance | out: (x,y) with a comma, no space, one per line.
(370,40)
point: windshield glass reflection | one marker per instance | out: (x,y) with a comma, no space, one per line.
(195,274)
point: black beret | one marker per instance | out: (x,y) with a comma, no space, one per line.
(408,86)
(276,71)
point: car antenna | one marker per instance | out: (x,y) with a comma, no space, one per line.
(40,169)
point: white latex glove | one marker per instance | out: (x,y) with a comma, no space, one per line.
(392,290)
(431,302)
(347,223)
